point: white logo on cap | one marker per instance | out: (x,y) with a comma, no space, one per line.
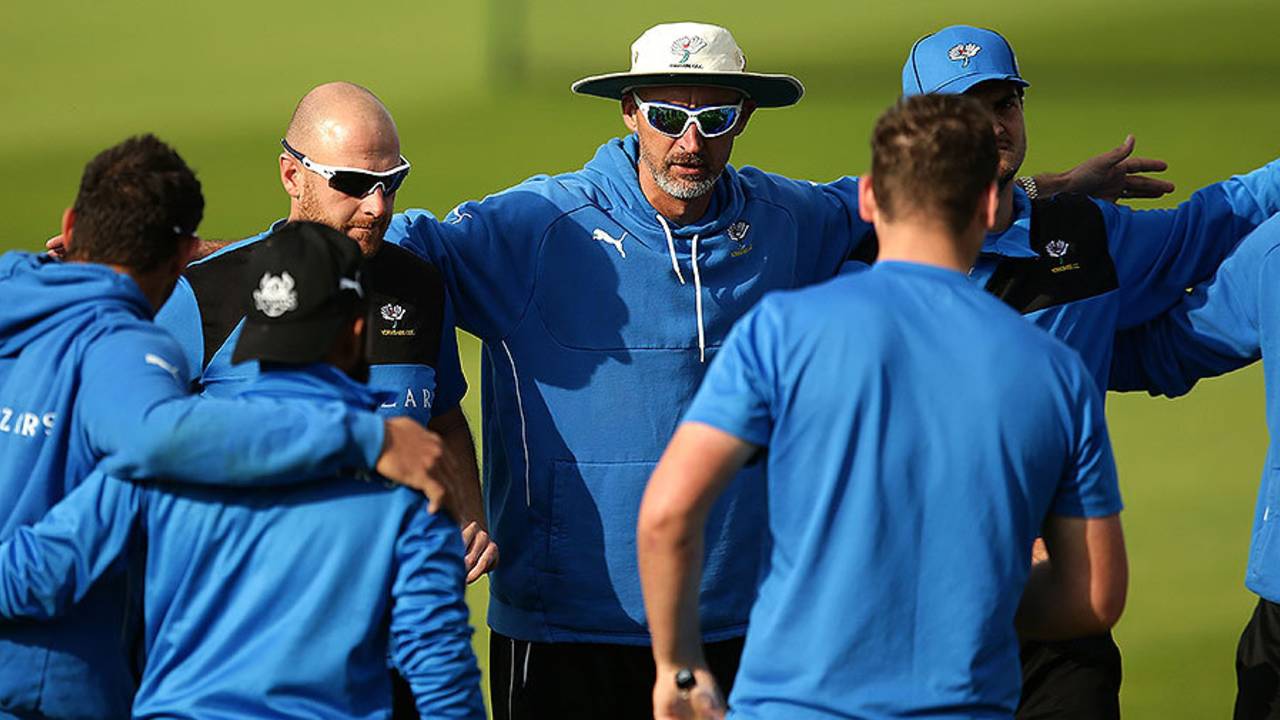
(275,296)
(686,46)
(962,52)
(1057,248)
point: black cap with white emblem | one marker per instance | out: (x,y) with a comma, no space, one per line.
(306,282)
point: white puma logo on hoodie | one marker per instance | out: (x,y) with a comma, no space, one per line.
(603,236)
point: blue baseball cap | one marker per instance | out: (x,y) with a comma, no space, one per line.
(956,58)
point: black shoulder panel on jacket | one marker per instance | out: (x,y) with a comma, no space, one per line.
(1068,233)
(406,308)
(222,289)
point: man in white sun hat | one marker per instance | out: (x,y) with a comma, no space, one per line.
(600,295)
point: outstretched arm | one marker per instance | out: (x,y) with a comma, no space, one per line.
(48,567)
(1212,330)
(1110,176)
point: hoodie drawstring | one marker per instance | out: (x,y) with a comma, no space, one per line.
(697,295)
(697,282)
(671,247)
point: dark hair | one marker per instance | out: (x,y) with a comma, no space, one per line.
(136,201)
(933,154)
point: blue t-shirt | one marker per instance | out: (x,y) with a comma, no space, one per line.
(918,434)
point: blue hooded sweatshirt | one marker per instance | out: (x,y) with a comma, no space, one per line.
(1224,324)
(276,602)
(598,318)
(87,380)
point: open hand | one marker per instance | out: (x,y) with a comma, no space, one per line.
(1115,174)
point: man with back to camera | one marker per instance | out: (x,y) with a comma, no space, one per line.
(87,379)
(599,295)
(281,601)
(1082,269)
(902,509)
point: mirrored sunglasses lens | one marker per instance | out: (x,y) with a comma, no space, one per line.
(717,122)
(668,121)
(359,184)
(352,183)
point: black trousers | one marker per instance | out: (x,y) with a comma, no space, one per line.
(528,681)
(1258,665)
(1071,679)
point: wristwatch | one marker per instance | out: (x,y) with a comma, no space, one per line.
(1028,184)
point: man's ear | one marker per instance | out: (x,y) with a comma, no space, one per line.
(867,208)
(989,206)
(289,177)
(187,246)
(68,224)
(629,112)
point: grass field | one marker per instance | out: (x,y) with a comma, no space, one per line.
(1198,83)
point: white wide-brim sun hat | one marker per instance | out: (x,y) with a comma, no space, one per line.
(688,53)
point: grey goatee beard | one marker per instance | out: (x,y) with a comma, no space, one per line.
(679,189)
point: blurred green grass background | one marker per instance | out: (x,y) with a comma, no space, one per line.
(1197,82)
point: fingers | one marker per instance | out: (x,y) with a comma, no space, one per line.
(1136,186)
(1141,165)
(1121,152)
(55,246)
(486,562)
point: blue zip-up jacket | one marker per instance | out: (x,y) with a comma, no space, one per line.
(1155,256)
(87,380)
(1223,324)
(598,316)
(208,333)
(268,602)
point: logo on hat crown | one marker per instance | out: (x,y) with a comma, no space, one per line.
(686,46)
(963,52)
(275,295)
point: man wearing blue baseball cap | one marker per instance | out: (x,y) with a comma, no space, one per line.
(1082,269)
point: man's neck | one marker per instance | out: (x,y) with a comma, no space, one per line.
(681,212)
(1004,214)
(155,287)
(928,244)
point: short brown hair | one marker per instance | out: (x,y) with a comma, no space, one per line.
(136,201)
(933,154)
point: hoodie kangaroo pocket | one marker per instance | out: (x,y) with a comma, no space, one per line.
(595,577)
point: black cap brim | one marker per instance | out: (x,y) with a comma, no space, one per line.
(294,343)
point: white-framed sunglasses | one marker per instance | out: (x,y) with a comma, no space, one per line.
(674,120)
(353,181)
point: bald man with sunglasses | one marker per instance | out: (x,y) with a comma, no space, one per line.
(341,166)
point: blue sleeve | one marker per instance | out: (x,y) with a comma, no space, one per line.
(830,228)
(1089,487)
(48,567)
(135,411)
(1161,253)
(737,394)
(180,316)
(486,251)
(430,630)
(451,385)
(1214,329)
